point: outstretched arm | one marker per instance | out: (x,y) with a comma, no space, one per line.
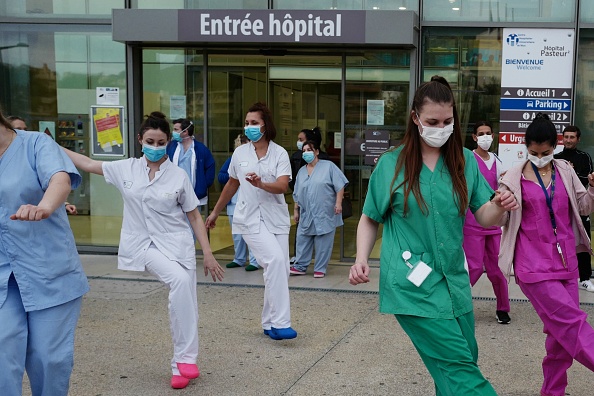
(491,213)
(85,163)
(228,191)
(54,197)
(210,263)
(366,234)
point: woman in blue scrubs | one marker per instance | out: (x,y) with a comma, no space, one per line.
(41,277)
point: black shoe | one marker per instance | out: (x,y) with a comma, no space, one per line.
(502,317)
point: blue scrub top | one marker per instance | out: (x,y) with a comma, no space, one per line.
(41,254)
(316,195)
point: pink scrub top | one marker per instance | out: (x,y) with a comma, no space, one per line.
(471,226)
(536,256)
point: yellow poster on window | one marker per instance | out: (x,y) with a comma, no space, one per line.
(108,126)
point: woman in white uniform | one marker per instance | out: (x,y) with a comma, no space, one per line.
(158,198)
(263,171)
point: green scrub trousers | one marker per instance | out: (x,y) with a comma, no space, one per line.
(449,350)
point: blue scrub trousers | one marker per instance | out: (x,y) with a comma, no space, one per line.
(41,341)
(305,248)
(241,249)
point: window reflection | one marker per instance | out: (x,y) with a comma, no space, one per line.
(499,11)
(470,59)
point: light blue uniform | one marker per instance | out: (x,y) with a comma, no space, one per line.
(41,277)
(239,245)
(316,196)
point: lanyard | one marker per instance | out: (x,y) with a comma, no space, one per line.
(549,200)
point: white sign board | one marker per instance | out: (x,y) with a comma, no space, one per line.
(536,76)
(107,96)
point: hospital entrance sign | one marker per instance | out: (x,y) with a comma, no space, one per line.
(536,77)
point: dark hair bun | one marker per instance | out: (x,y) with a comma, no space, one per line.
(440,80)
(157,114)
(542,116)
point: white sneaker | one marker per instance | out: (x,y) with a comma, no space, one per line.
(587,285)
(293,259)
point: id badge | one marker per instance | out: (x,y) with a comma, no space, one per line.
(418,272)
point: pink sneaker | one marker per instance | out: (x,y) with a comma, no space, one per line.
(295,271)
(179,382)
(188,370)
(319,274)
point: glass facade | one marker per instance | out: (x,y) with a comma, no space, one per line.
(59,8)
(470,59)
(52,61)
(500,11)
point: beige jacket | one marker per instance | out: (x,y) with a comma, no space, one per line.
(581,201)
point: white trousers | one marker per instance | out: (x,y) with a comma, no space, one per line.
(272,253)
(183,305)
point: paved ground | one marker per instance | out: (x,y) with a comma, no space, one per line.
(345,347)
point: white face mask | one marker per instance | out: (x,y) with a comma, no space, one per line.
(540,162)
(436,137)
(484,141)
(299,145)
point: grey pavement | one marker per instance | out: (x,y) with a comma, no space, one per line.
(344,347)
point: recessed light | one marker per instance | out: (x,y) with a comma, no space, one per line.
(456,8)
(402,8)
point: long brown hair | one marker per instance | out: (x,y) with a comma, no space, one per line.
(410,158)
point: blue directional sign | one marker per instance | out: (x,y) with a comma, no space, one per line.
(535,104)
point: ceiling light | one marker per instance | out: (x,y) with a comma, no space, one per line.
(402,8)
(456,8)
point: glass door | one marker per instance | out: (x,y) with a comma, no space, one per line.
(376,100)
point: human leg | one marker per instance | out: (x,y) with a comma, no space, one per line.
(498,280)
(449,350)
(303,252)
(474,249)
(569,335)
(183,305)
(50,348)
(239,248)
(323,245)
(584,263)
(272,253)
(13,338)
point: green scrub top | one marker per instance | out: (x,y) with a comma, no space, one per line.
(435,238)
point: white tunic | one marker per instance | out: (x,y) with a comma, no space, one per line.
(154,211)
(254,203)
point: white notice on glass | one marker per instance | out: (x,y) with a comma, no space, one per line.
(375,112)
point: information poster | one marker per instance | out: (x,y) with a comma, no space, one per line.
(375,112)
(536,76)
(108,96)
(177,107)
(107,130)
(376,143)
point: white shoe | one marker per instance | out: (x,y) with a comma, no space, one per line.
(587,285)
(293,259)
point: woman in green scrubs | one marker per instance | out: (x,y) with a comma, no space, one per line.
(434,180)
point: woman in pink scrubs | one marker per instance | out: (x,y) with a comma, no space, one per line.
(481,245)
(540,241)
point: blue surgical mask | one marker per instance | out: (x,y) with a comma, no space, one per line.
(299,145)
(176,136)
(308,156)
(153,153)
(253,132)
